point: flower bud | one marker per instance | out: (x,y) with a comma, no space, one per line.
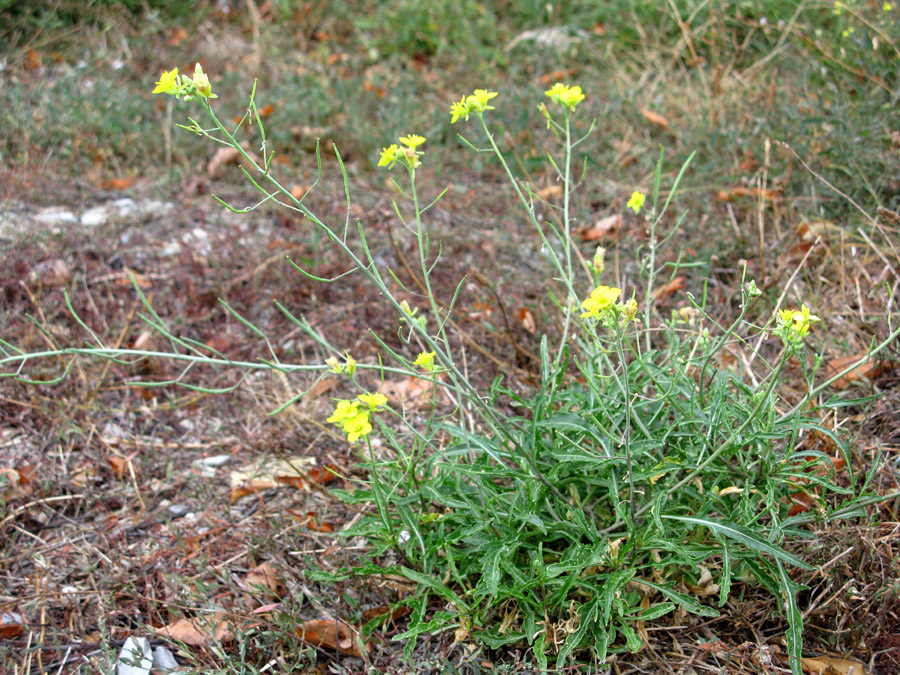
(201,82)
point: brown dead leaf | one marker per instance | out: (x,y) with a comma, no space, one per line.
(655,118)
(298,191)
(200,631)
(263,582)
(177,36)
(266,110)
(15,484)
(558,76)
(755,192)
(267,474)
(526,319)
(549,192)
(116,183)
(11,625)
(33,60)
(48,273)
(129,277)
(671,288)
(413,392)
(865,372)
(121,466)
(309,519)
(386,611)
(229,155)
(334,634)
(827,665)
(801,502)
(610,226)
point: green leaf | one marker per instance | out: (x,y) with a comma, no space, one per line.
(688,602)
(746,537)
(794,635)
(435,586)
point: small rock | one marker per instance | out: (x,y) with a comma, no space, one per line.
(50,273)
(164,661)
(135,657)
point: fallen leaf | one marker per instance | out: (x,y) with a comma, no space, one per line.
(268,474)
(11,625)
(526,318)
(50,273)
(414,392)
(801,502)
(177,36)
(334,634)
(229,155)
(15,484)
(262,582)
(266,110)
(550,192)
(386,611)
(865,372)
(298,191)
(120,466)
(610,226)
(677,284)
(826,665)
(655,118)
(33,60)
(558,76)
(199,631)
(116,183)
(755,192)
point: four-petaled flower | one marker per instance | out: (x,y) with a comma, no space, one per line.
(600,300)
(459,109)
(566,96)
(373,400)
(412,141)
(388,156)
(344,410)
(168,82)
(636,202)
(425,361)
(478,101)
(357,427)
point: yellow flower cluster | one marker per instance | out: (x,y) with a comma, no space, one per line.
(425,361)
(602,303)
(475,103)
(796,323)
(198,86)
(566,96)
(355,421)
(405,153)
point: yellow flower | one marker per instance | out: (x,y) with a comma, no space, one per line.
(373,400)
(201,83)
(566,96)
(478,101)
(601,299)
(344,411)
(888,6)
(351,364)
(412,141)
(796,322)
(838,8)
(357,427)
(636,202)
(334,366)
(425,361)
(459,109)
(388,156)
(168,82)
